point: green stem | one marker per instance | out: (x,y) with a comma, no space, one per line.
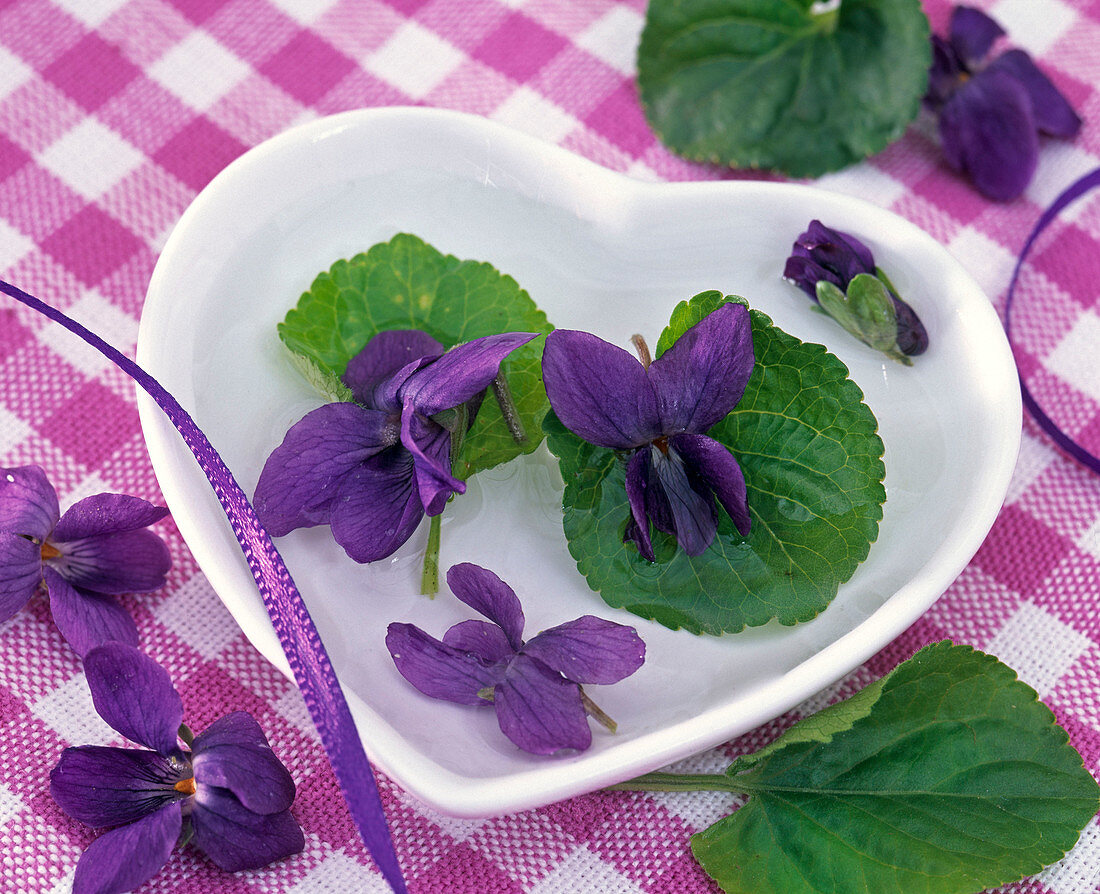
(429,576)
(679,782)
(597,713)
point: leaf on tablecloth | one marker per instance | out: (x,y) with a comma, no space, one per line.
(801,87)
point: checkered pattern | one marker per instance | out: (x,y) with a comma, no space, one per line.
(114,113)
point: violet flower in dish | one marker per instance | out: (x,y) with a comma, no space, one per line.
(372,468)
(98,549)
(661,411)
(992,111)
(228,793)
(534,686)
(838,272)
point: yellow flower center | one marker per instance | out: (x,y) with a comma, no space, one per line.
(186,786)
(49,551)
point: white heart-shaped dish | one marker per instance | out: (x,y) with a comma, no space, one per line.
(597,251)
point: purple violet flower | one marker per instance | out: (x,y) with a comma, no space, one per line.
(661,412)
(372,468)
(823,254)
(535,685)
(991,112)
(98,549)
(229,794)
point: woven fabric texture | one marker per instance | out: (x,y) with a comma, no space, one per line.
(115,113)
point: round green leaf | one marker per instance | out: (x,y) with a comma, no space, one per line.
(812,460)
(407,284)
(949,778)
(801,87)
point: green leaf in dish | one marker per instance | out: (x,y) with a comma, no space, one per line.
(801,87)
(812,460)
(407,284)
(947,776)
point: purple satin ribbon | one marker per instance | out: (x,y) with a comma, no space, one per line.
(299,638)
(1073,192)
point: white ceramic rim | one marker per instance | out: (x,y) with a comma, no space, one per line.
(461,796)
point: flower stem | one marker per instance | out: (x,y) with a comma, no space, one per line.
(429,575)
(679,782)
(642,349)
(597,713)
(508,410)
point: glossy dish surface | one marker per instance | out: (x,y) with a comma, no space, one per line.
(597,251)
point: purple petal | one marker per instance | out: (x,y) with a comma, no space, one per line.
(122,859)
(599,391)
(430,446)
(700,379)
(1052,112)
(235,838)
(719,470)
(972,34)
(238,728)
(589,650)
(378,507)
(988,132)
(127,562)
(539,710)
(28,502)
(461,373)
(486,593)
(842,253)
(436,669)
(106,514)
(693,514)
(20,572)
(111,786)
(251,772)
(87,620)
(944,74)
(487,641)
(303,474)
(372,374)
(806,273)
(912,336)
(637,483)
(134,695)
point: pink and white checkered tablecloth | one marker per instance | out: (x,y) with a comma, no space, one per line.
(115,113)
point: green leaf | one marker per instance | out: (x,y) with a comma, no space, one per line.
(780,84)
(812,460)
(407,284)
(867,312)
(951,778)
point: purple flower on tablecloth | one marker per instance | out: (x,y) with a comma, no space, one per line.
(535,685)
(823,254)
(991,111)
(98,549)
(229,794)
(661,412)
(372,468)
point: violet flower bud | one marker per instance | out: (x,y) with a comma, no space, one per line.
(826,262)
